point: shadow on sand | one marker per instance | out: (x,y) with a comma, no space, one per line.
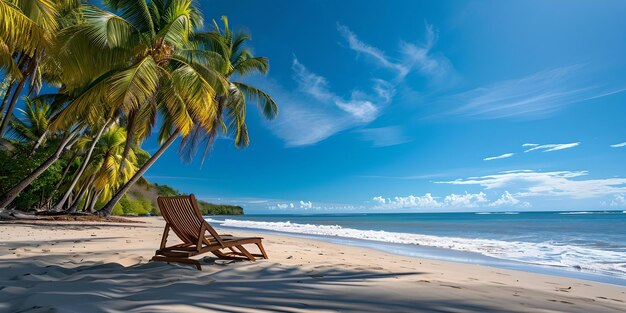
(34,285)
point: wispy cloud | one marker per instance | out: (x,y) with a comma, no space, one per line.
(561,183)
(534,96)
(414,57)
(360,105)
(502,156)
(551,147)
(313,112)
(619,145)
(384,136)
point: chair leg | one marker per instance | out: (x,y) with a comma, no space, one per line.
(246,253)
(260,245)
(177,260)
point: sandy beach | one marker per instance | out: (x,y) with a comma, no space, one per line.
(102,267)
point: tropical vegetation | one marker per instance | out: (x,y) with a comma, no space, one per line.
(84,84)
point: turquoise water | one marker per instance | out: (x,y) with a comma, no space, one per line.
(591,243)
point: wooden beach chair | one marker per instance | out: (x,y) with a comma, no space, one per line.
(182,216)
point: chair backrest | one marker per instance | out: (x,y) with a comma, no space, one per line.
(185,219)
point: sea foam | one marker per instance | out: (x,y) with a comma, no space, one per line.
(611,263)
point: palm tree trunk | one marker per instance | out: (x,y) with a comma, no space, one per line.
(39,142)
(130,137)
(16,94)
(81,194)
(59,206)
(5,99)
(94,200)
(8,116)
(12,193)
(66,170)
(20,62)
(106,210)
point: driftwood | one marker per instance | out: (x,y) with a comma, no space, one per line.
(15,215)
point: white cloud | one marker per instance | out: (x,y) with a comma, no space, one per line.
(561,183)
(508,200)
(306,205)
(553,147)
(414,57)
(502,156)
(379,200)
(537,95)
(530,145)
(428,201)
(618,145)
(359,105)
(312,112)
(467,200)
(360,47)
(425,201)
(618,201)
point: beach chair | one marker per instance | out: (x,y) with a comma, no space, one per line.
(182,216)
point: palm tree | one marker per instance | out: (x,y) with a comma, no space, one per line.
(26,32)
(226,52)
(135,65)
(96,138)
(29,129)
(234,59)
(103,175)
(35,121)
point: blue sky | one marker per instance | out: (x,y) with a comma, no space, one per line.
(414,106)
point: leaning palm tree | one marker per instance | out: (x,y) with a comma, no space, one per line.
(225,52)
(61,139)
(110,65)
(102,176)
(135,66)
(235,61)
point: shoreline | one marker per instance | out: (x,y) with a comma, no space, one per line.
(82,267)
(449,255)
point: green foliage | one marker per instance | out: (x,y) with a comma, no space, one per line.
(219,209)
(165,190)
(117,210)
(135,206)
(16,164)
(142,157)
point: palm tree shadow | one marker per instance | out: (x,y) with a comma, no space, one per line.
(220,286)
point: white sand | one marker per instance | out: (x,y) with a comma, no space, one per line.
(83,267)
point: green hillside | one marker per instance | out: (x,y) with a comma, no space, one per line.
(142,199)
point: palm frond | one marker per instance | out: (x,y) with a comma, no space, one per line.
(107,30)
(135,11)
(265,102)
(251,65)
(133,87)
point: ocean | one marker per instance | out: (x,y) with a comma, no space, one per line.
(588,245)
